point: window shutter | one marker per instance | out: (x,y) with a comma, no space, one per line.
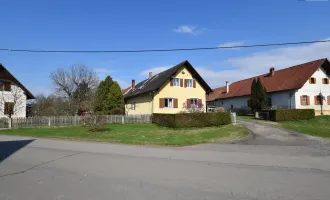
(308,100)
(161,103)
(301,100)
(310,80)
(185,83)
(175,104)
(194,83)
(171,82)
(323,81)
(328,100)
(181,82)
(188,103)
(200,103)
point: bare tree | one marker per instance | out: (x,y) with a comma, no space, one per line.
(12,100)
(47,106)
(75,85)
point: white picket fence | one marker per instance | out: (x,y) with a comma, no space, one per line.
(30,122)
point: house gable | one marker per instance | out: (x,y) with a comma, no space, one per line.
(181,93)
(155,82)
(6,75)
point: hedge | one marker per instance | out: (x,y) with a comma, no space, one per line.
(186,120)
(291,114)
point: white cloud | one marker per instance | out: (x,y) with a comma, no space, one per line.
(155,70)
(193,30)
(230,44)
(259,62)
(281,57)
(218,78)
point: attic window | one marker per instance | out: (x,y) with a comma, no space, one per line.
(325,81)
(5,86)
(312,80)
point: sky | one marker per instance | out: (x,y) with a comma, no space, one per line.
(151,24)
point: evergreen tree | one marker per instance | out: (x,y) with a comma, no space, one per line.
(115,98)
(258,98)
(102,93)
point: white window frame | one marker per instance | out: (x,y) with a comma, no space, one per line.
(169,102)
(189,83)
(133,106)
(304,101)
(176,82)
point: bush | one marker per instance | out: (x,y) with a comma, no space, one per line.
(117,111)
(186,120)
(291,114)
(95,123)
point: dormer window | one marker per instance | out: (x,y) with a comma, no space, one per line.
(312,80)
(5,86)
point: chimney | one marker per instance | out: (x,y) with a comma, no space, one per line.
(133,83)
(272,71)
(227,87)
(150,74)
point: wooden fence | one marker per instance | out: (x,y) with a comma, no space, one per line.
(30,122)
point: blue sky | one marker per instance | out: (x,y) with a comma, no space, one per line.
(150,24)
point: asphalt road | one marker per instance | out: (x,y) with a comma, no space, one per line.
(40,169)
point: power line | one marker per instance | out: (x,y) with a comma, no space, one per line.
(162,50)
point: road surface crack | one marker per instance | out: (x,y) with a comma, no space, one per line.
(35,166)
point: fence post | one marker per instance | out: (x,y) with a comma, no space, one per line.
(122,119)
(48,121)
(9,122)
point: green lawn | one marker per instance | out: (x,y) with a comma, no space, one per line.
(319,126)
(139,134)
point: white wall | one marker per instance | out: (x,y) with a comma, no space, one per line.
(312,90)
(279,100)
(16,94)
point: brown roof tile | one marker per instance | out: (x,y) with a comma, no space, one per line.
(284,79)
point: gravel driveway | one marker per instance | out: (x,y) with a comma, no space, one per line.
(263,133)
(268,138)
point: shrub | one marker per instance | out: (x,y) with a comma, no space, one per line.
(291,114)
(95,123)
(186,120)
(117,111)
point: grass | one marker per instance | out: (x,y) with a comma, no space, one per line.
(319,126)
(139,134)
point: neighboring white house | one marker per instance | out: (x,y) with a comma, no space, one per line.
(296,87)
(13,95)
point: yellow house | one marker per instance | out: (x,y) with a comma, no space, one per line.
(177,89)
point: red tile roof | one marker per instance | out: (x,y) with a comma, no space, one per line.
(284,79)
